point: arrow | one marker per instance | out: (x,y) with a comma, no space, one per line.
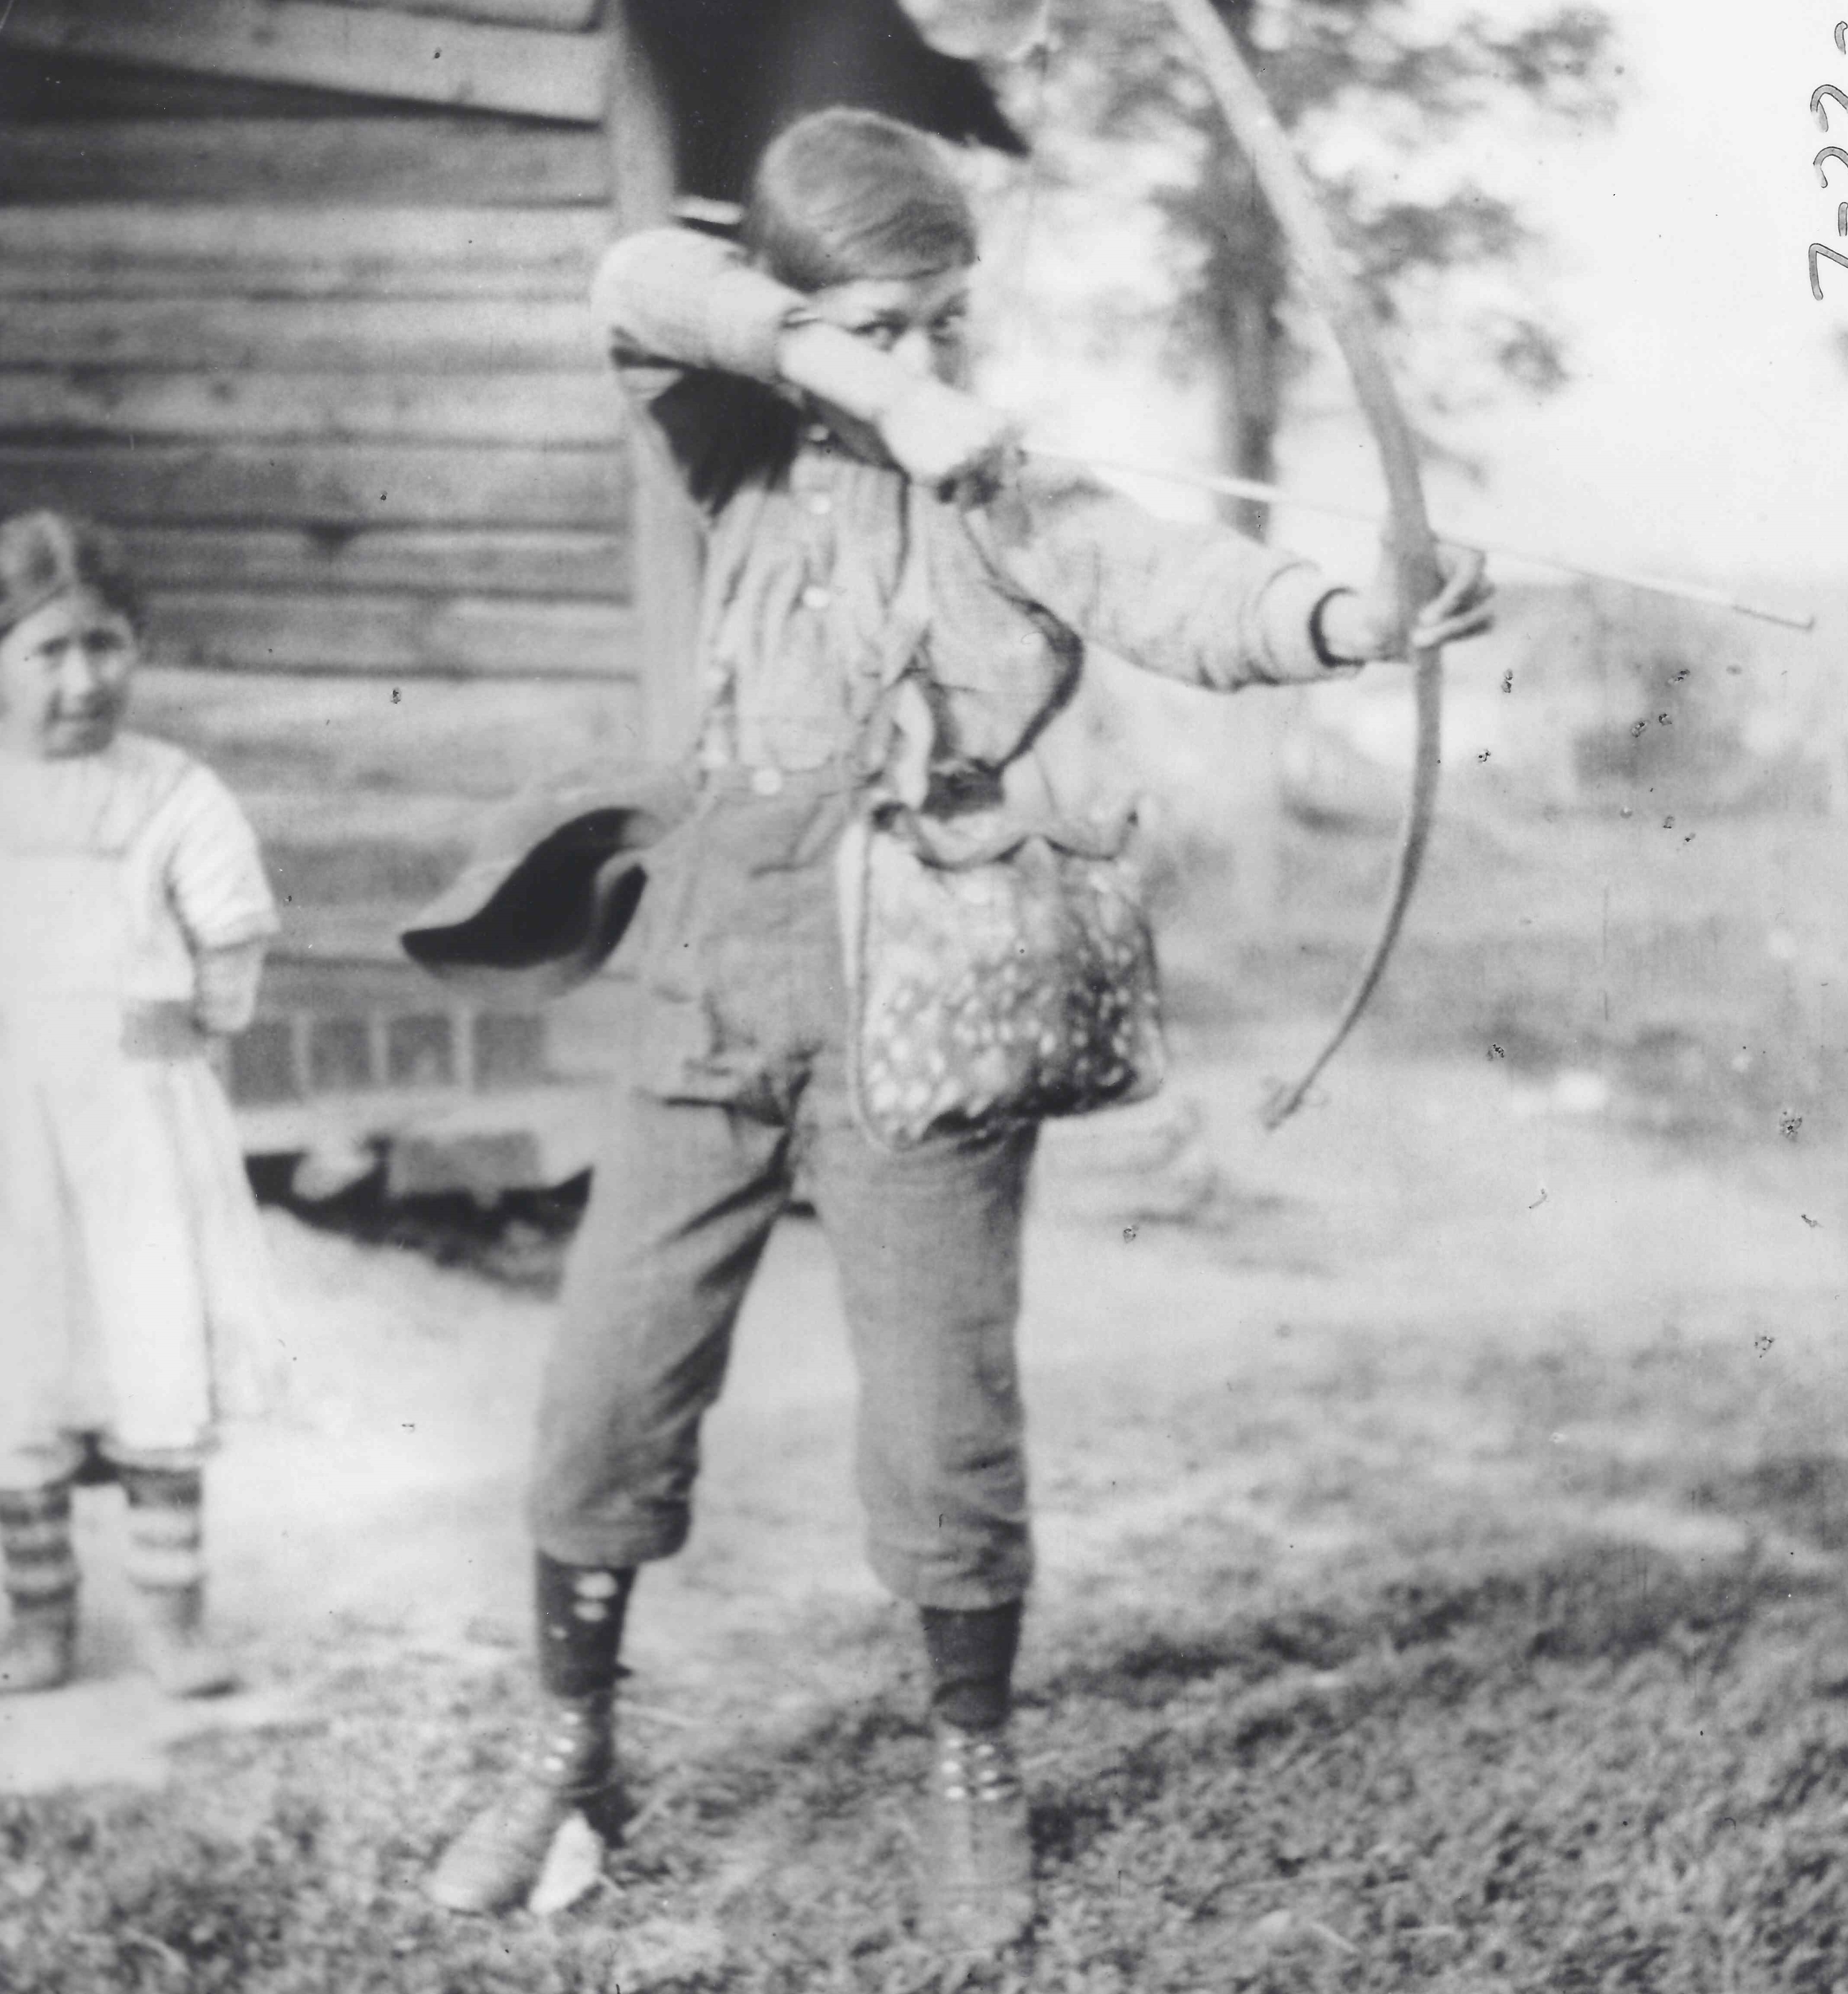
(1272,494)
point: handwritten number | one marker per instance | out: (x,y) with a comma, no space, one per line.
(1817,251)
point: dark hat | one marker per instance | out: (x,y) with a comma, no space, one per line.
(553,883)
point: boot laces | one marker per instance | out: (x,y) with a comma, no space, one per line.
(574,1748)
(980,1793)
(973,1768)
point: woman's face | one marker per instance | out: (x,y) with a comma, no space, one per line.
(64,672)
(922,322)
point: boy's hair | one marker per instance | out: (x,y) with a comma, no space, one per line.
(44,555)
(843,195)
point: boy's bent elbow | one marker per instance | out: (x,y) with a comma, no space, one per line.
(1283,644)
(674,295)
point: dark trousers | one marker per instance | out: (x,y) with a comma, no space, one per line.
(738,1077)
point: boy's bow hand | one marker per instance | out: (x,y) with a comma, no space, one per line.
(939,436)
(1369,624)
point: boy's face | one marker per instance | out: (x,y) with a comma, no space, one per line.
(64,673)
(922,322)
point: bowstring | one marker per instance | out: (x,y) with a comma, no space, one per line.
(1039,57)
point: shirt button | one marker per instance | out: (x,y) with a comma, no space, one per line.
(816,597)
(819,432)
(767,782)
(819,504)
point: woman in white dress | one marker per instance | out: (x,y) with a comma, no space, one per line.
(133,916)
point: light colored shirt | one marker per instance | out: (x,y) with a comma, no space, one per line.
(831,578)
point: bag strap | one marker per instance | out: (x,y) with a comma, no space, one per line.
(890,691)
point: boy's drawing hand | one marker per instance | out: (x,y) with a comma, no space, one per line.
(940,436)
(1369,624)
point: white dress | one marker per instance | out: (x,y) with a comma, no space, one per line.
(129,1245)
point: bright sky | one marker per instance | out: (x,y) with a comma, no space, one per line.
(1702,434)
(1704,428)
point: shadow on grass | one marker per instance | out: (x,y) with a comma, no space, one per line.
(1805,1495)
(1598,1600)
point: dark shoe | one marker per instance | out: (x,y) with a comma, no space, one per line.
(39,1650)
(976,1861)
(174,1644)
(492,1866)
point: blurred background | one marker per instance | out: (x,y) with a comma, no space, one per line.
(1587,232)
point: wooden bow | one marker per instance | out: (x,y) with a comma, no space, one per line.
(1409,538)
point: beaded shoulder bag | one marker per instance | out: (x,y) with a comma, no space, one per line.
(1008,990)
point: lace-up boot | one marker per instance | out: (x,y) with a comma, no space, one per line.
(978,1864)
(494,1863)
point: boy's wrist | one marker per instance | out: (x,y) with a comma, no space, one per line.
(1337,629)
(834,367)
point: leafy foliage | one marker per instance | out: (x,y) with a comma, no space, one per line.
(1392,106)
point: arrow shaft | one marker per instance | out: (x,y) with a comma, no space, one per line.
(1272,494)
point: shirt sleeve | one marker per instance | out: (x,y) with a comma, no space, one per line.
(1201,604)
(693,333)
(214,870)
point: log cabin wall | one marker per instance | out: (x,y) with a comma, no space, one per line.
(293,295)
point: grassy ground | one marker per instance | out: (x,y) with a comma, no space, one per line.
(1588,1769)
(1441,1657)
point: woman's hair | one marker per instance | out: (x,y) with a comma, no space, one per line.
(44,555)
(843,195)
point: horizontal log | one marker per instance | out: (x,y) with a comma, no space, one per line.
(516,13)
(125,248)
(356,761)
(334,485)
(37,88)
(54,404)
(309,335)
(416,58)
(566,561)
(478,162)
(379,635)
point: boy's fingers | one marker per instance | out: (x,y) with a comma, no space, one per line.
(1429,633)
(966,488)
(1465,576)
(1461,609)
(978,484)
